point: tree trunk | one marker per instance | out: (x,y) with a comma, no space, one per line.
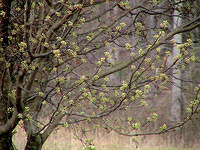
(177,95)
(6,142)
(6,138)
(34,142)
(112,48)
(5,5)
(176,86)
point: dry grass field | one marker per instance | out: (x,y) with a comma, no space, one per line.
(62,139)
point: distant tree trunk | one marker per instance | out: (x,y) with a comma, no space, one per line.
(177,100)
(112,48)
(6,138)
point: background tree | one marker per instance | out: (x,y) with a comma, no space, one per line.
(56,65)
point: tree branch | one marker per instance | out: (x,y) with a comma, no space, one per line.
(184,28)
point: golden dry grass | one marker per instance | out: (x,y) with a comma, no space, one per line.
(62,139)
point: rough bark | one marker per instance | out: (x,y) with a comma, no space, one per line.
(5,136)
(34,142)
(5,139)
(6,142)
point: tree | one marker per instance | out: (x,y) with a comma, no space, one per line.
(53,57)
(176,87)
